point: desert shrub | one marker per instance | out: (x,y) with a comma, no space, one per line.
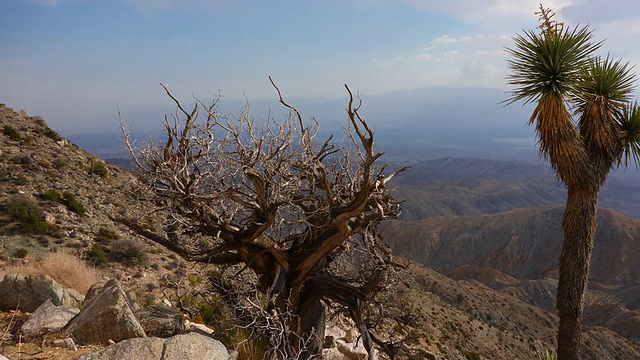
(59,164)
(29,140)
(43,241)
(52,134)
(66,269)
(105,236)
(51,195)
(29,214)
(39,120)
(70,201)
(22,253)
(547,355)
(12,133)
(98,168)
(129,252)
(69,271)
(97,255)
(421,355)
(470,355)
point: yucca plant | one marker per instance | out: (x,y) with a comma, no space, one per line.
(557,70)
(547,355)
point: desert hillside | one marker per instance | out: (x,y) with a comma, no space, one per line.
(523,243)
(459,186)
(472,314)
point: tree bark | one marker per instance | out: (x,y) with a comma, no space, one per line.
(579,226)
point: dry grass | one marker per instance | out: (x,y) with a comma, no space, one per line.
(66,269)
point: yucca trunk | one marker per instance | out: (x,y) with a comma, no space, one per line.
(579,227)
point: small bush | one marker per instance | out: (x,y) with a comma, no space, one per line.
(51,195)
(66,269)
(70,201)
(22,253)
(43,241)
(470,355)
(59,164)
(38,120)
(51,134)
(97,255)
(98,168)
(106,236)
(29,214)
(12,133)
(129,252)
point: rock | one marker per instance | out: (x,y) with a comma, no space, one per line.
(27,162)
(199,328)
(66,343)
(27,292)
(48,318)
(351,335)
(71,297)
(160,321)
(352,353)
(329,342)
(94,290)
(234,355)
(332,354)
(108,315)
(2,357)
(190,346)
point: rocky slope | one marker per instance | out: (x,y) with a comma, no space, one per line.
(523,243)
(516,253)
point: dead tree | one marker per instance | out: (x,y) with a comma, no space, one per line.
(274,199)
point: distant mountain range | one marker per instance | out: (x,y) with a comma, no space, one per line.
(463,186)
(424,123)
(523,243)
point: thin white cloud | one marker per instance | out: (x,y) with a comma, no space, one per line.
(445,39)
(452,53)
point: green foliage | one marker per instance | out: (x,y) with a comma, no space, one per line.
(422,354)
(549,63)
(629,122)
(29,214)
(52,134)
(547,355)
(51,195)
(195,279)
(471,355)
(105,236)
(97,254)
(98,168)
(70,201)
(12,133)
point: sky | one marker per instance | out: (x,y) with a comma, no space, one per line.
(75,62)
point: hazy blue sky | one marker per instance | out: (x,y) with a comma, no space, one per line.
(73,61)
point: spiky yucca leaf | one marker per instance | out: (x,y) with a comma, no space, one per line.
(606,80)
(604,89)
(548,63)
(629,122)
(547,355)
